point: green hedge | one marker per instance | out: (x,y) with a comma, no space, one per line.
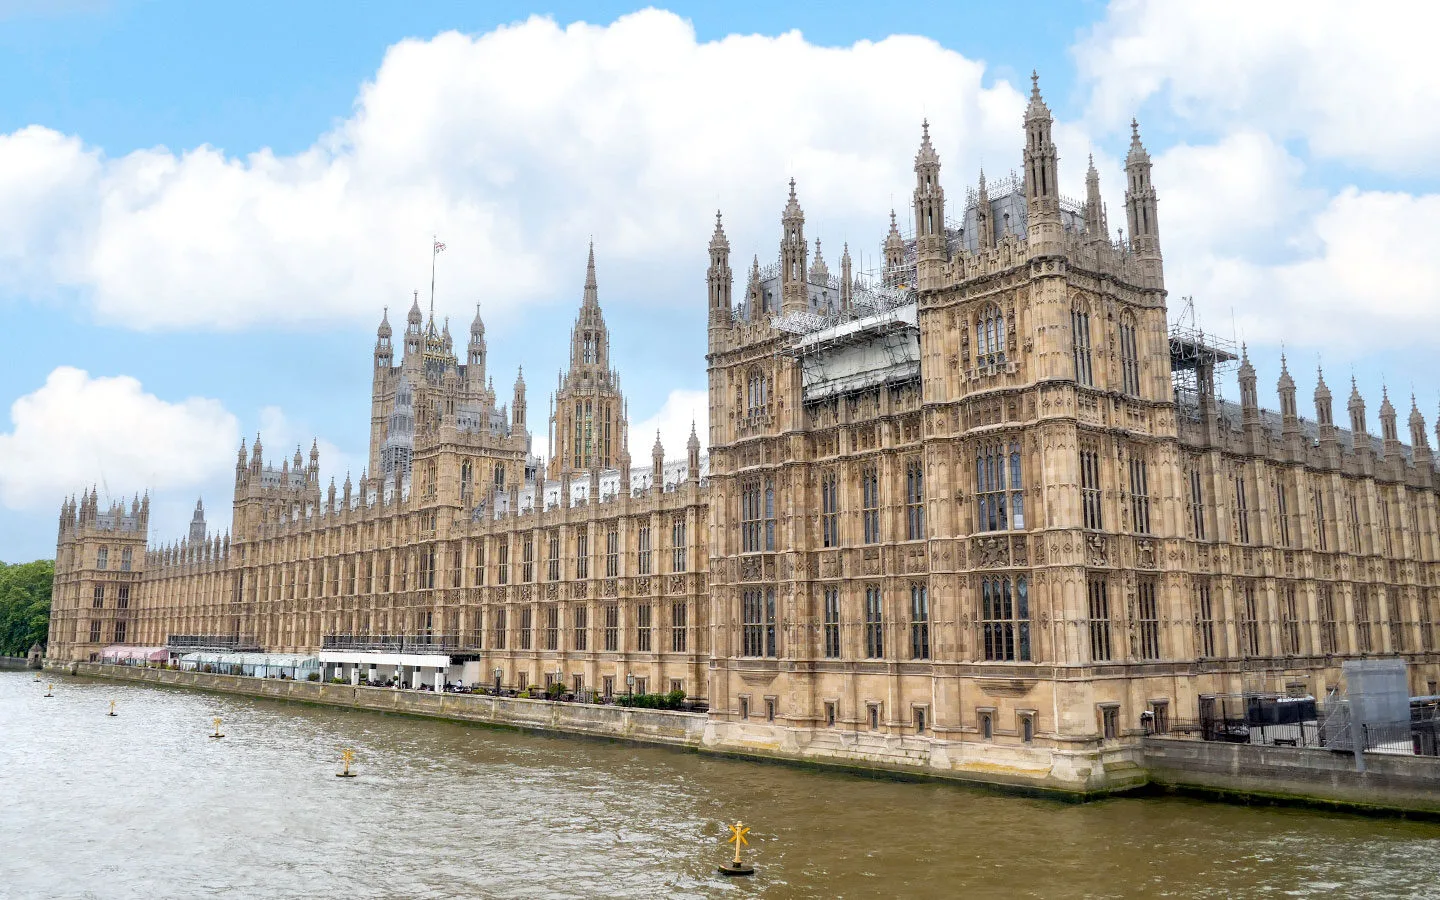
(25,605)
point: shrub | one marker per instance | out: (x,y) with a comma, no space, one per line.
(313,676)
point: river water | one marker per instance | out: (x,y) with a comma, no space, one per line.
(145,805)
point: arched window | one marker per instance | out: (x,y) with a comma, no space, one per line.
(1080,328)
(757,393)
(999,488)
(1005,618)
(1129,356)
(990,337)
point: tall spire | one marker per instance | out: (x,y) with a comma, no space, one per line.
(1140,204)
(592,293)
(1356,406)
(1042,186)
(1096,228)
(894,252)
(929,200)
(794,289)
(719,278)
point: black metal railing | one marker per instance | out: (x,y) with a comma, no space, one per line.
(194,642)
(396,643)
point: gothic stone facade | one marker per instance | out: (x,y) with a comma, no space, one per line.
(956,516)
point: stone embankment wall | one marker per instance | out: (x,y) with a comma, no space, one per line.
(651,726)
(13,662)
(1291,775)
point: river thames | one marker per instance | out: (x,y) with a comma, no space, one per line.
(145,805)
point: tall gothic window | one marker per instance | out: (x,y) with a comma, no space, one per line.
(1099,590)
(870,504)
(751,507)
(832,623)
(757,393)
(527,559)
(552,565)
(1289,621)
(499,622)
(1317,502)
(1329,627)
(642,628)
(999,493)
(527,616)
(1090,498)
(874,624)
(1139,494)
(1249,621)
(552,627)
(830,509)
(1129,357)
(1354,523)
(612,627)
(677,544)
(757,634)
(502,563)
(1197,504)
(1149,619)
(1282,512)
(919,622)
(1080,326)
(914,500)
(582,627)
(642,555)
(769,515)
(1204,620)
(125,559)
(612,552)
(1363,635)
(678,622)
(582,555)
(1242,510)
(990,337)
(1005,618)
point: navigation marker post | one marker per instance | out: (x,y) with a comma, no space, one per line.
(735,867)
(217,733)
(112,708)
(49,688)
(347,756)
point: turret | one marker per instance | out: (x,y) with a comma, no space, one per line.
(1140,204)
(1285,387)
(718,276)
(657,463)
(894,253)
(1249,396)
(414,333)
(256,459)
(1419,445)
(1387,425)
(517,410)
(794,293)
(384,352)
(1042,186)
(314,469)
(197,523)
(929,201)
(754,293)
(1322,408)
(240,463)
(819,271)
(984,226)
(692,453)
(475,353)
(347,492)
(1096,227)
(847,284)
(1356,406)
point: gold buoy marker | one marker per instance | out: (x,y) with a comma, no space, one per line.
(112,708)
(347,756)
(217,733)
(735,867)
(49,688)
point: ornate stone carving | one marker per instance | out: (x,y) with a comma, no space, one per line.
(1097,550)
(750,568)
(1019,555)
(610,588)
(1145,553)
(677,584)
(642,586)
(991,553)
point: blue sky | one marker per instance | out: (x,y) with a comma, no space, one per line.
(204,207)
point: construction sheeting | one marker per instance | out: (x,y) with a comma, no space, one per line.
(120,653)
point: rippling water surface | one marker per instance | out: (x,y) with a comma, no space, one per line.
(145,805)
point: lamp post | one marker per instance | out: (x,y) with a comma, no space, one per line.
(630,685)
(559,679)
(498,672)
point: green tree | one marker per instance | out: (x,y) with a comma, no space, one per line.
(24,605)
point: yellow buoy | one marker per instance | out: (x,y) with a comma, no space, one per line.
(735,866)
(217,733)
(49,690)
(347,756)
(112,708)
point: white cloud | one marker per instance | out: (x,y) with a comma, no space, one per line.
(281,437)
(513,146)
(1355,85)
(673,421)
(77,430)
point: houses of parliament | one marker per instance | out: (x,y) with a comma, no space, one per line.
(981,509)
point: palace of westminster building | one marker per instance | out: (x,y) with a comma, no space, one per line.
(983,509)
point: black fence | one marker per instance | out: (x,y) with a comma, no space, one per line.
(397,643)
(186,643)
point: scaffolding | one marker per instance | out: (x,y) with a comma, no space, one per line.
(1196,359)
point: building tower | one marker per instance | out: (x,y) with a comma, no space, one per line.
(588,426)
(718,276)
(929,201)
(894,254)
(794,291)
(1042,186)
(1140,207)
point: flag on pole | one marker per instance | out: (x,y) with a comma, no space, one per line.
(439,245)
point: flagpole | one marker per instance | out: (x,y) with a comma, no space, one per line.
(433,253)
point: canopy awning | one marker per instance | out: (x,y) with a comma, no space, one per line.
(252,660)
(121,653)
(381,658)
